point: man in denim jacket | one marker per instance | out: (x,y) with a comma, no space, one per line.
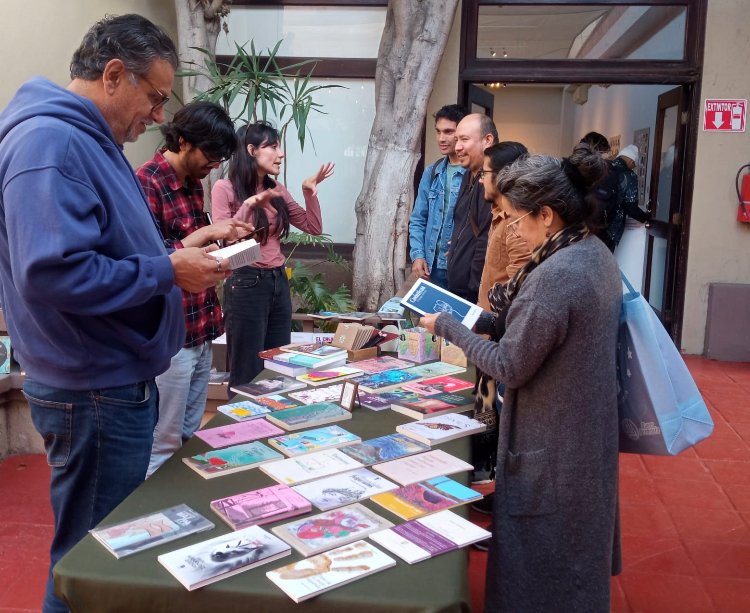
(431,221)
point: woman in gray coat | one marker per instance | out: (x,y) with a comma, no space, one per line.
(555,539)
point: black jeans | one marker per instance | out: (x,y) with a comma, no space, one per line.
(258,315)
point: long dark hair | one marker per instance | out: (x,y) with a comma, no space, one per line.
(243,175)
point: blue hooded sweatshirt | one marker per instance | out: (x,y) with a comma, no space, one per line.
(87,285)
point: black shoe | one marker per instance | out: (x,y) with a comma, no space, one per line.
(484,505)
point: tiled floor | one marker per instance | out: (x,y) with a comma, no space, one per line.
(685,520)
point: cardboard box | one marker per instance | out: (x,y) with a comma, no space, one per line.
(362,354)
(418,345)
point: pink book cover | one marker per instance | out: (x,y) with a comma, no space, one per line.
(438,385)
(381,364)
(260,506)
(241,432)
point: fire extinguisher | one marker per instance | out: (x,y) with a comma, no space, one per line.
(743,195)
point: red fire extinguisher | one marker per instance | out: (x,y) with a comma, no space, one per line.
(743,195)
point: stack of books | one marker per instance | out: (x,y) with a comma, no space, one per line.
(299,358)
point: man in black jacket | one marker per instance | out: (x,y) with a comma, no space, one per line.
(472,215)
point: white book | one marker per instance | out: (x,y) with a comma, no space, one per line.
(346,488)
(221,557)
(420,539)
(426,298)
(316,465)
(326,571)
(240,254)
(440,429)
(421,467)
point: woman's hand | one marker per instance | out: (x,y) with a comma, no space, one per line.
(263,199)
(228,230)
(428,322)
(310,185)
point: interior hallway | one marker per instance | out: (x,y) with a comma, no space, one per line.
(685,520)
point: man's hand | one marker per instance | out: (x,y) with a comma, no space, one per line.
(428,322)
(195,270)
(419,268)
(310,185)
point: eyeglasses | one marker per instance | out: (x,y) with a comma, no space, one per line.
(512,228)
(163,97)
(213,161)
(486,172)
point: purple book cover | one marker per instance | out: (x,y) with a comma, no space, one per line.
(241,432)
(423,537)
(380,364)
(260,506)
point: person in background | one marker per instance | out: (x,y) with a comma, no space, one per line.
(198,139)
(431,221)
(257,303)
(624,166)
(90,292)
(471,216)
(555,539)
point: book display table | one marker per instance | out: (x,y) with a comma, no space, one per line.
(90,578)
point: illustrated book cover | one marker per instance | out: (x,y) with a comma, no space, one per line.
(436,430)
(261,506)
(426,298)
(308,416)
(380,364)
(384,448)
(240,254)
(243,410)
(315,350)
(276,402)
(391,309)
(223,556)
(235,434)
(420,539)
(316,465)
(432,406)
(328,393)
(5,350)
(430,370)
(299,443)
(316,533)
(312,362)
(272,385)
(383,400)
(422,466)
(328,375)
(231,459)
(356,315)
(312,576)
(384,381)
(425,497)
(345,488)
(438,385)
(151,530)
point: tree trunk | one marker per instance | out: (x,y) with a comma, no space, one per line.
(411,48)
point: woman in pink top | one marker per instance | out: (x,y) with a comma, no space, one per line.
(257,304)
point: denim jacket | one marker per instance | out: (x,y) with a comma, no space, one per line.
(428,215)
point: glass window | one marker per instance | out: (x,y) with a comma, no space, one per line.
(563,32)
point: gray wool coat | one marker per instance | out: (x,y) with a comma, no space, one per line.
(555,539)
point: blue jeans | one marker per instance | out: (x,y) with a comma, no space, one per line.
(98,443)
(257,316)
(183,389)
(439,276)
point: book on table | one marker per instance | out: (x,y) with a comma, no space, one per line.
(328,375)
(285,368)
(150,530)
(440,429)
(426,537)
(315,395)
(312,362)
(421,407)
(422,466)
(261,506)
(314,350)
(240,254)
(344,488)
(271,385)
(315,465)
(324,315)
(380,364)
(231,459)
(438,385)
(384,400)
(308,416)
(384,448)
(223,556)
(356,315)
(426,298)
(243,410)
(275,402)
(318,574)
(425,497)
(384,381)
(307,441)
(316,533)
(235,434)
(391,310)
(430,370)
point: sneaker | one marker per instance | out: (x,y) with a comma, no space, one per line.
(482,477)
(484,505)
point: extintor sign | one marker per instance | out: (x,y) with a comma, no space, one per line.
(724,115)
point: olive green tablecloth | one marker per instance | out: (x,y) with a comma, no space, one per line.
(90,579)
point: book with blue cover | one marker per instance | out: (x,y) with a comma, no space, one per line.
(426,298)
(384,381)
(308,415)
(231,459)
(316,439)
(425,497)
(243,410)
(384,400)
(384,448)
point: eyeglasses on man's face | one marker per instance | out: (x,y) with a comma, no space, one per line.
(213,161)
(485,171)
(163,98)
(512,227)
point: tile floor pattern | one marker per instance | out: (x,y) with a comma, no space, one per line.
(685,520)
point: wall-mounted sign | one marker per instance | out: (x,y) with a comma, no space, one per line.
(724,115)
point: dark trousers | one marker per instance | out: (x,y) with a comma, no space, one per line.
(258,315)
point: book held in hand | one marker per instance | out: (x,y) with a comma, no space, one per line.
(440,429)
(234,434)
(243,410)
(150,530)
(299,443)
(421,407)
(223,556)
(309,466)
(426,298)
(231,459)
(240,254)
(261,506)
(326,571)
(308,416)
(315,533)
(430,536)
(344,488)
(422,466)
(425,497)
(384,448)
(264,387)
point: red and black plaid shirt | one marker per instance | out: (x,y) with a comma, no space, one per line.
(178,210)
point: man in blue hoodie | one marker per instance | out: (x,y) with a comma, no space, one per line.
(91,295)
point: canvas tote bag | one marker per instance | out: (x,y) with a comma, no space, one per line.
(661,411)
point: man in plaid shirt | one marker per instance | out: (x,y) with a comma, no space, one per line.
(198,139)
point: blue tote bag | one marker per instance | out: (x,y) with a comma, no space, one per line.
(661,411)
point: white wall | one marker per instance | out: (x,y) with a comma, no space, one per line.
(530,115)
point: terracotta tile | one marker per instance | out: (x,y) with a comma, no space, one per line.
(734,410)
(631,464)
(728,472)
(706,495)
(722,427)
(638,490)
(654,522)
(477,577)
(22,586)
(650,593)
(739,495)
(719,525)
(656,555)
(742,428)
(677,467)
(25,542)
(723,449)
(618,602)
(720,559)
(729,595)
